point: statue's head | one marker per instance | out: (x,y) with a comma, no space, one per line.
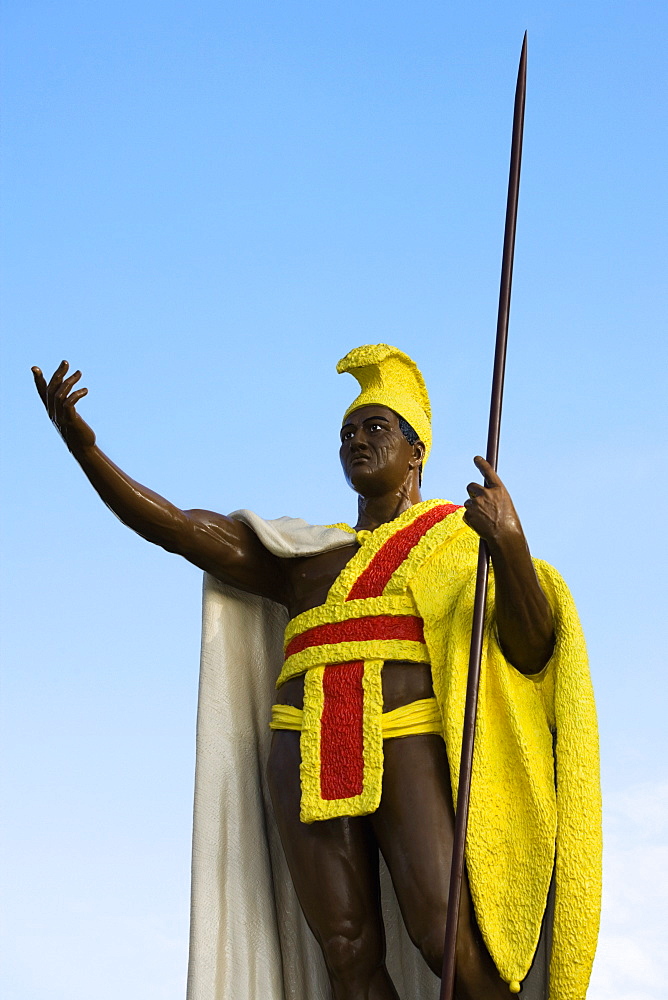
(386,432)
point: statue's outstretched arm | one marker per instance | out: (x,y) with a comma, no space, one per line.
(523,616)
(226,548)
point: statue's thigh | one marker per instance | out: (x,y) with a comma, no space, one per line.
(414,826)
(333,863)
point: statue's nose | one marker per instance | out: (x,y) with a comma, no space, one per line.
(359,439)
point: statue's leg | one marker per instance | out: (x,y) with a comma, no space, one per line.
(414,827)
(334,868)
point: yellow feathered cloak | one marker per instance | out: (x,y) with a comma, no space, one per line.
(534,735)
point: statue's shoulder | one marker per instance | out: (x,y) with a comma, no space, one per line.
(292,537)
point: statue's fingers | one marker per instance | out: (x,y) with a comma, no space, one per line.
(58,376)
(65,386)
(467,515)
(72,400)
(40,383)
(475,490)
(56,379)
(487,471)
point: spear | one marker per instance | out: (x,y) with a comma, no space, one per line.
(471,704)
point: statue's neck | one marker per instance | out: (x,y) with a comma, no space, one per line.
(373,511)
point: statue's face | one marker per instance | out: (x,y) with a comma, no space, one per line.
(375,455)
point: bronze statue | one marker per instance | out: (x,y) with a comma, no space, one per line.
(334,861)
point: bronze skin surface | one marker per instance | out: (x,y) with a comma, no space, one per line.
(334,864)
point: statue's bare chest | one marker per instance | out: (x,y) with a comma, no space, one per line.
(311,578)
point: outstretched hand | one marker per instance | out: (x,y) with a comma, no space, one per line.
(489,509)
(60,402)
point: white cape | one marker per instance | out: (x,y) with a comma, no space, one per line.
(248,937)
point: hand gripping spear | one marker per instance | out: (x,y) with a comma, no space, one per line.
(471,704)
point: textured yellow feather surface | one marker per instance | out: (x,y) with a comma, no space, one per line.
(517,822)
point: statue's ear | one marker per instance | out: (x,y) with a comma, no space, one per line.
(419,452)
(418,456)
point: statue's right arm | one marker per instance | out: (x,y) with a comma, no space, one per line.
(222,546)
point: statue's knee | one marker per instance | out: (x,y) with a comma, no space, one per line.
(430,940)
(350,955)
(430,944)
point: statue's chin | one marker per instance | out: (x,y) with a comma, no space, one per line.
(369,482)
(363,483)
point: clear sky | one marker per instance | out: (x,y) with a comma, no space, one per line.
(206,205)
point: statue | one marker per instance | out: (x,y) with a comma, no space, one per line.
(368,714)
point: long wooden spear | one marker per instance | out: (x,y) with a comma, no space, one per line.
(468,738)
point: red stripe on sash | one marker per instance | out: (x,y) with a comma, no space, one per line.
(359,630)
(342,731)
(373,580)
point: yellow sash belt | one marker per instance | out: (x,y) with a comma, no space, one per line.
(418,717)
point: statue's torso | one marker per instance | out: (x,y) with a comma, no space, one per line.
(310,580)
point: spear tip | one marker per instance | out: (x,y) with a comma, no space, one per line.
(523,55)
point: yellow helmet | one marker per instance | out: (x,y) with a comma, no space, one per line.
(388,377)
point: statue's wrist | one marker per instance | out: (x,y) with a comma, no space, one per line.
(80,450)
(508,543)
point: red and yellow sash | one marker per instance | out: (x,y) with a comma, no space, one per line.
(369,617)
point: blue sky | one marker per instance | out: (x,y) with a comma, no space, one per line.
(206,205)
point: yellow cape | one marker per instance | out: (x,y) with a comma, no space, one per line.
(519,828)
